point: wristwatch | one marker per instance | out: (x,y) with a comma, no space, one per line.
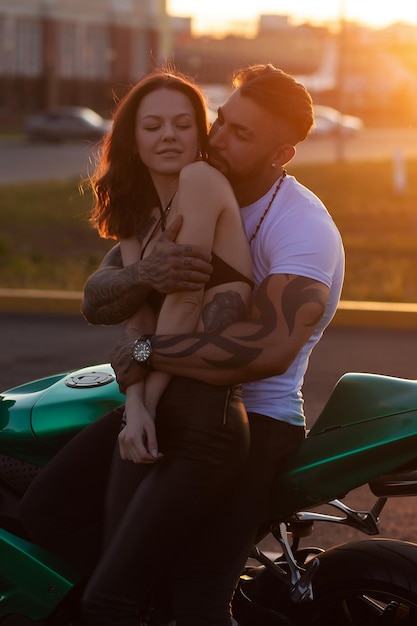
(142,351)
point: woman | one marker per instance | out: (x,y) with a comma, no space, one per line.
(152,170)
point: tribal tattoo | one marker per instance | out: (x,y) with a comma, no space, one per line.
(241,348)
(224,309)
(295,294)
(299,291)
(239,355)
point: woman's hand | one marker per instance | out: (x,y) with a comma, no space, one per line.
(137,440)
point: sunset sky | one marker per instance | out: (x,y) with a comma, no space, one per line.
(218,16)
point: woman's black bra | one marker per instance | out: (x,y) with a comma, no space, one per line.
(224,273)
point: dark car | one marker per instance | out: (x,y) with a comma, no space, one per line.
(66,123)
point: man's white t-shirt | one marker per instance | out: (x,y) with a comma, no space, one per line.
(297,236)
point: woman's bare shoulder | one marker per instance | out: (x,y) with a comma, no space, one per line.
(202,172)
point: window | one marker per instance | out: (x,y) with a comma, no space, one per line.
(67,35)
(28,48)
(95,52)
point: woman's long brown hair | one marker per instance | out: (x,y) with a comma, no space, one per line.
(123,190)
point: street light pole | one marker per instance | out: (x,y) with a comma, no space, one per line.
(341,77)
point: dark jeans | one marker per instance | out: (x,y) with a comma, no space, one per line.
(155,511)
(212,556)
(63,508)
(225,549)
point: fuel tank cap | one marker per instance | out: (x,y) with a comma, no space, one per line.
(89,379)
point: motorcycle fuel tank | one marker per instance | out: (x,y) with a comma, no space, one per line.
(36,419)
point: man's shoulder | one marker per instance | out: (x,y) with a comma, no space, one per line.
(299,192)
(301,204)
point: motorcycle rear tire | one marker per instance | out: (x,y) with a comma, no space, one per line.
(362,583)
(365,583)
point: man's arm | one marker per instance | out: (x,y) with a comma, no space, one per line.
(114,293)
(287,309)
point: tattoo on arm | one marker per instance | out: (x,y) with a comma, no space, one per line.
(224,308)
(240,355)
(111,297)
(299,291)
(296,293)
(113,258)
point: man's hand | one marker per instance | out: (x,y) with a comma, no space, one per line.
(113,293)
(174,267)
(127,370)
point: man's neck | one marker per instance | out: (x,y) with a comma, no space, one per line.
(251,189)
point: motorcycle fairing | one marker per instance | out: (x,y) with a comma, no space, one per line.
(16,435)
(367,428)
(33,581)
(38,418)
(359,397)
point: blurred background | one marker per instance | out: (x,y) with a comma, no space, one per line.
(65,63)
(358,57)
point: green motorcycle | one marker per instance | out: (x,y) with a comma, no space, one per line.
(366,433)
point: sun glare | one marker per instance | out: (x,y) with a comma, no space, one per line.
(218,16)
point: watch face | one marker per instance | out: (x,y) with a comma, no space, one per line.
(141,350)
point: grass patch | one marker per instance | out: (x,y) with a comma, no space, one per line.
(46,241)
(378,226)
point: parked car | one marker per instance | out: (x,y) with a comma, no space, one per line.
(66,123)
(330,121)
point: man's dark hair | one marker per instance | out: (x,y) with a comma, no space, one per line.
(280,94)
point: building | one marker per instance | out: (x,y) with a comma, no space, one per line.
(208,59)
(76,51)
(361,71)
(89,52)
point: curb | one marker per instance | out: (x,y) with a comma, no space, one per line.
(396,315)
(40,301)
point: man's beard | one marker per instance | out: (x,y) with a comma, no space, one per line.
(216,161)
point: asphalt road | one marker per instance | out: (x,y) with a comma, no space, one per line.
(21,160)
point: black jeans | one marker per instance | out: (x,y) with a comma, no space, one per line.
(63,511)
(154,511)
(226,547)
(63,508)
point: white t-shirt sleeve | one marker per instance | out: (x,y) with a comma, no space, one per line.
(308,245)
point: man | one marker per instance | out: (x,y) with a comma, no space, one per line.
(298,272)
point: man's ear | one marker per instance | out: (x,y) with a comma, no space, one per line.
(284,154)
